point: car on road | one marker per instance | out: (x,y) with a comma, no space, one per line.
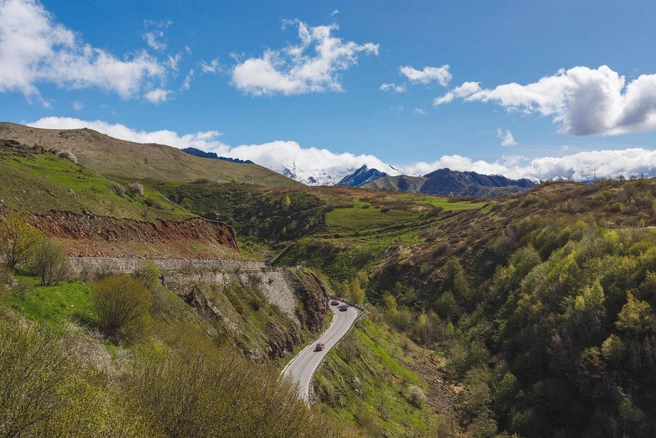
(320,346)
(334,303)
(343,308)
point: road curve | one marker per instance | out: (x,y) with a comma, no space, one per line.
(302,367)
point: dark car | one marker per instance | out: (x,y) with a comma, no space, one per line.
(343,308)
(320,346)
(334,303)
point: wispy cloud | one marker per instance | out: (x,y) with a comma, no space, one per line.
(311,66)
(212,67)
(507,138)
(393,88)
(419,111)
(77,105)
(187,81)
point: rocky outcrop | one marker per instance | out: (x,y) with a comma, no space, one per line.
(281,341)
(90,235)
(297,301)
(313,295)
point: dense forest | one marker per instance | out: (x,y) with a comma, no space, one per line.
(546,319)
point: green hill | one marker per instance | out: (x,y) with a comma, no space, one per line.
(111,156)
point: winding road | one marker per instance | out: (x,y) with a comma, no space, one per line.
(302,367)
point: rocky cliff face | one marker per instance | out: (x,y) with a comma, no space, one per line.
(88,235)
(265,311)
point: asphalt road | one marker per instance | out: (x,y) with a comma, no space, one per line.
(302,367)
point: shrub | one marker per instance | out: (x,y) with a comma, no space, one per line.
(417,397)
(33,367)
(123,307)
(149,274)
(49,262)
(119,190)
(69,156)
(17,240)
(201,181)
(135,189)
(154,203)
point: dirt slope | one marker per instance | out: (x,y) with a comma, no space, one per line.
(90,236)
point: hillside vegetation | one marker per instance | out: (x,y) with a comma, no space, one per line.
(118,355)
(36,183)
(111,156)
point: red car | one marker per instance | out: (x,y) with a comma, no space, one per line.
(334,303)
(320,346)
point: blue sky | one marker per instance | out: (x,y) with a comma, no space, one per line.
(387,89)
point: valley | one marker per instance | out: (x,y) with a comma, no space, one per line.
(517,312)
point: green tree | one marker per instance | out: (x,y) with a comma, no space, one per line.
(17,240)
(635,316)
(123,307)
(356,294)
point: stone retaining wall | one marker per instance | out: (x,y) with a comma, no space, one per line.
(129,265)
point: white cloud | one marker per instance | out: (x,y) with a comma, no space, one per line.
(393,88)
(448,97)
(579,166)
(155,40)
(173,61)
(582,101)
(427,75)
(507,138)
(157,95)
(188,50)
(212,67)
(187,82)
(34,49)
(467,89)
(464,90)
(207,140)
(335,12)
(419,111)
(77,105)
(565,147)
(292,70)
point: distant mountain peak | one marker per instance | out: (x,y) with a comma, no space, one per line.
(213,155)
(361,176)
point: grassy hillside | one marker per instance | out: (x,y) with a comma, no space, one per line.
(111,156)
(62,376)
(362,226)
(270,215)
(37,183)
(366,381)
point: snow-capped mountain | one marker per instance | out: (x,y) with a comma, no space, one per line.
(361,176)
(330,176)
(318,177)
